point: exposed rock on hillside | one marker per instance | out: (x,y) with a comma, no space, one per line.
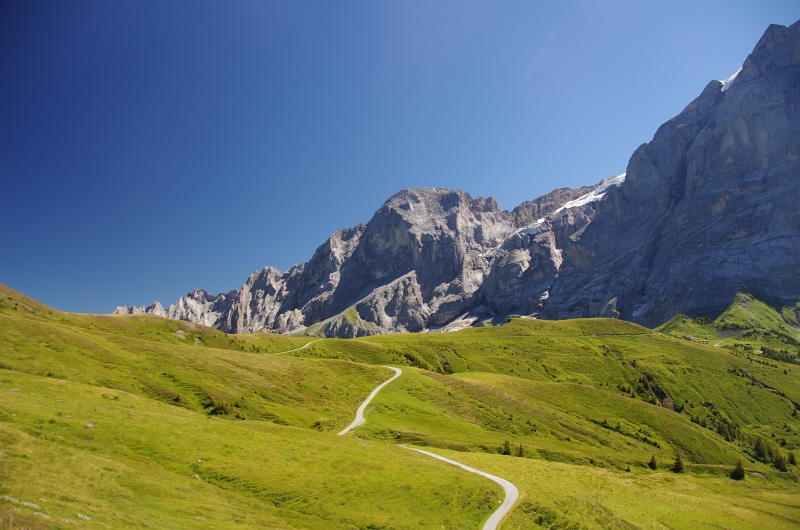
(528,262)
(709,206)
(707,209)
(421,262)
(155,309)
(529,212)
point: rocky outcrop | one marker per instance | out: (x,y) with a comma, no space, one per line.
(528,262)
(529,212)
(709,206)
(423,257)
(155,309)
(707,209)
(420,263)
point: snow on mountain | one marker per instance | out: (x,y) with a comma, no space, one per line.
(705,210)
(726,84)
(596,194)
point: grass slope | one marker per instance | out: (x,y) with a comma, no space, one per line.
(195,428)
(117,420)
(601,371)
(558,495)
(602,397)
(746,325)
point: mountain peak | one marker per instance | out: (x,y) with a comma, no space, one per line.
(706,209)
(778,48)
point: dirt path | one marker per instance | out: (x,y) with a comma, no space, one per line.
(512,493)
(296,349)
(360,412)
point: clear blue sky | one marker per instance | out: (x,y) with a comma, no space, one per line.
(150,148)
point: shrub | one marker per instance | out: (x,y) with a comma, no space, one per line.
(738,471)
(677,467)
(652,464)
(780,462)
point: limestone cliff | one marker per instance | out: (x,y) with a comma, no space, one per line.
(709,206)
(706,209)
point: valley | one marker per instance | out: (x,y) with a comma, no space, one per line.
(137,420)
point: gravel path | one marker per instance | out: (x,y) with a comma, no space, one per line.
(360,412)
(296,349)
(512,493)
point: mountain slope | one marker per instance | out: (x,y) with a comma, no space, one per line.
(141,421)
(708,208)
(705,210)
(129,421)
(419,263)
(749,325)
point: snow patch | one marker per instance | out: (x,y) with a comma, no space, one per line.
(726,84)
(458,324)
(531,230)
(596,194)
(593,196)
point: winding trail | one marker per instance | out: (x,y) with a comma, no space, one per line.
(296,349)
(512,493)
(360,412)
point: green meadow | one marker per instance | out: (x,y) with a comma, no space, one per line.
(125,421)
(139,421)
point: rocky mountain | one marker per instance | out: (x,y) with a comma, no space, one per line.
(420,263)
(708,208)
(154,309)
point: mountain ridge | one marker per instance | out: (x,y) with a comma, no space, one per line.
(703,211)
(418,264)
(708,207)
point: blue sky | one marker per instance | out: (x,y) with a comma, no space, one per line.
(150,148)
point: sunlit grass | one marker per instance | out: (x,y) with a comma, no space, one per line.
(139,421)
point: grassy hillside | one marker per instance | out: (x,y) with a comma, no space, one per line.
(141,421)
(128,461)
(116,419)
(748,325)
(565,378)
(603,396)
(559,495)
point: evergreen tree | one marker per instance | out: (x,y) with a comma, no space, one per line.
(677,467)
(506,449)
(520,451)
(780,462)
(738,471)
(761,449)
(792,459)
(652,464)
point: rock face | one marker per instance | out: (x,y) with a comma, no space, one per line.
(708,208)
(155,309)
(427,257)
(528,263)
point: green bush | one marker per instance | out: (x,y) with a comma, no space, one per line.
(677,466)
(738,471)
